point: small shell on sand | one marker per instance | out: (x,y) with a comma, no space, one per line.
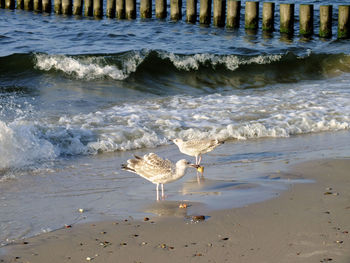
(184,205)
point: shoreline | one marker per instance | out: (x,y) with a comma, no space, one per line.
(306,223)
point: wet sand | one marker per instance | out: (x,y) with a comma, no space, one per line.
(308,223)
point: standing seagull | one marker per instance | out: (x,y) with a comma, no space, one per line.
(157,170)
(197,147)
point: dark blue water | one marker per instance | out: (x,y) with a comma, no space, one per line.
(79,96)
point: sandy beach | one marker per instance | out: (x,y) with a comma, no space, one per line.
(307,223)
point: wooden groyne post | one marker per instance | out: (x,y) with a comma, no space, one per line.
(233,13)
(57,6)
(146,8)
(344,21)
(175,9)
(20,4)
(110,8)
(287,18)
(219,11)
(326,21)
(161,9)
(28,4)
(46,6)
(205,12)
(306,20)
(37,5)
(67,7)
(120,9)
(98,8)
(252,15)
(191,11)
(230,9)
(10,4)
(268,21)
(130,9)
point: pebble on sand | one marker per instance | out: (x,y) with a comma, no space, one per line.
(198,218)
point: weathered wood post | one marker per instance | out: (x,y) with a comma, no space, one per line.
(252,15)
(233,13)
(326,21)
(205,12)
(191,11)
(57,6)
(161,9)
(88,7)
(28,4)
(146,8)
(344,21)
(46,6)
(110,9)
(306,20)
(67,7)
(10,4)
(219,13)
(98,8)
(130,9)
(37,7)
(20,4)
(120,9)
(78,7)
(287,18)
(175,9)
(268,21)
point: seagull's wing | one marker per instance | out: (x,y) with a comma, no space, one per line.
(200,145)
(153,168)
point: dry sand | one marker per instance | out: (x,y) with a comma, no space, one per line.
(308,223)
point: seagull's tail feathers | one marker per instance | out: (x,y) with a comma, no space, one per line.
(127,168)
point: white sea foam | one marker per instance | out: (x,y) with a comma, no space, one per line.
(89,67)
(277,112)
(284,113)
(231,62)
(95,67)
(21,146)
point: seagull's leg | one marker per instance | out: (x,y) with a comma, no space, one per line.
(200,159)
(157,192)
(163,191)
(196,159)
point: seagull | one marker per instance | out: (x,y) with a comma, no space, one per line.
(197,147)
(157,170)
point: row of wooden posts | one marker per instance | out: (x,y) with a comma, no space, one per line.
(222,12)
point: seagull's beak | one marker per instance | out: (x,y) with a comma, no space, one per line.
(194,165)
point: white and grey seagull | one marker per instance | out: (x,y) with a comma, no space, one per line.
(197,147)
(157,170)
